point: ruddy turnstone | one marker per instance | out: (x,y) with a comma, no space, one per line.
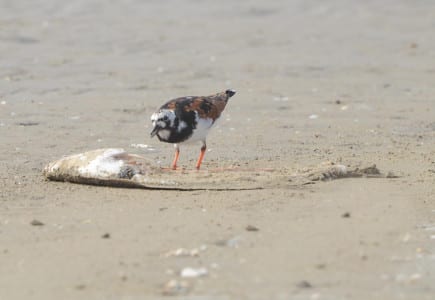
(188,119)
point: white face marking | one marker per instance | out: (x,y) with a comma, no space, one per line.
(161,118)
(154,118)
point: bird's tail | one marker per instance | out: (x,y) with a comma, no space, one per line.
(230,93)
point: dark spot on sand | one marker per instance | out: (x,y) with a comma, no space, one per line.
(28,123)
(304,284)
(80,287)
(346,215)
(23,40)
(106,236)
(251,228)
(36,223)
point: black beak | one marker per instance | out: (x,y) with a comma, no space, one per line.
(155,130)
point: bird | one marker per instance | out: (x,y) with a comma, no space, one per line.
(188,119)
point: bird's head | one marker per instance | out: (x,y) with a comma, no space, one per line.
(162,120)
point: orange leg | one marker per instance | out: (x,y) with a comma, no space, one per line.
(201,156)
(174,162)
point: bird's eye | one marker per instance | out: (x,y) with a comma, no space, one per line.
(165,118)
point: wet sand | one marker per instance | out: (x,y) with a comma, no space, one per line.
(346,82)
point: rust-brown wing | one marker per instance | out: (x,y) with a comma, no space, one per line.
(171,104)
(206,106)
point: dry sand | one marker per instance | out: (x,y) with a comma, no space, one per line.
(342,81)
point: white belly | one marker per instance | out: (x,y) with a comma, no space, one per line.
(202,128)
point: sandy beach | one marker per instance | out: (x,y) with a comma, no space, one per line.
(347,82)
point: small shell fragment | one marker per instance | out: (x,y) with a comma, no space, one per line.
(185,252)
(193,272)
